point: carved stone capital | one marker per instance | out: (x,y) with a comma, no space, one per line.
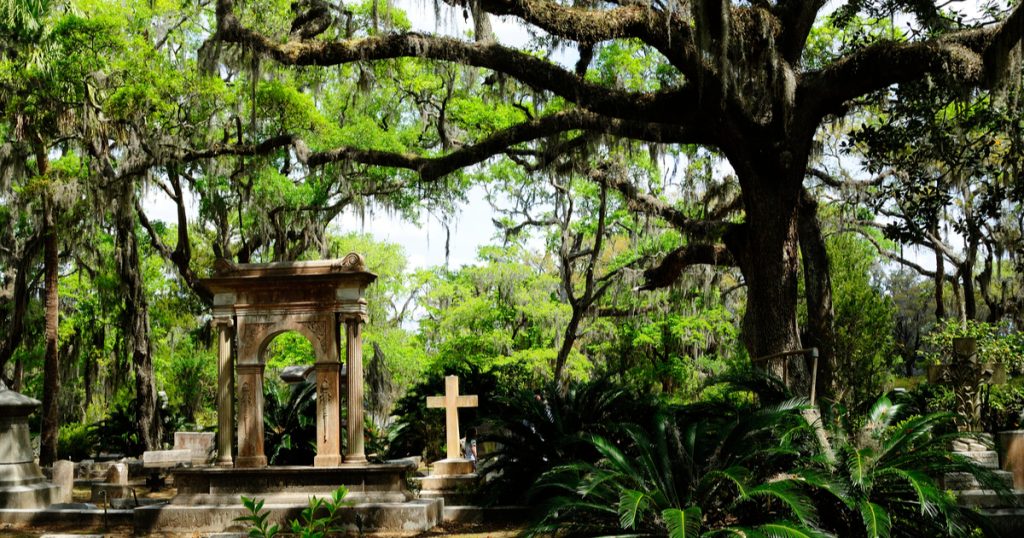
(223,322)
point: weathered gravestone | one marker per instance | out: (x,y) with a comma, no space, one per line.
(22,484)
(64,479)
(114,486)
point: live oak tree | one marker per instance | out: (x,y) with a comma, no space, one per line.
(730,77)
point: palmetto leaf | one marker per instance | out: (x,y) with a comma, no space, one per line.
(928,493)
(789,494)
(787,530)
(876,520)
(883,411)
(682,523)
(860,462)
(631,502)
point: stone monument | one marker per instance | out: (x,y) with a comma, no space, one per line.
(454,477)
(22,484)
(453,463)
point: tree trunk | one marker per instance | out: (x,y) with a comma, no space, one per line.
(940,277)
(51,365)
(765,247)
(136,327)
(818,292)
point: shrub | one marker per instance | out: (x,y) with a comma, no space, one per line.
(76,441)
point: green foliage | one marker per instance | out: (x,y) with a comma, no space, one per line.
(287,349)
(996,343)
(697,470)
(884,479)
(193,380)
(257,519)
(864,320)
(118,432)
(76,441)
(537,431)
(1003,408)
(504,311)
(289,420)
(320,518)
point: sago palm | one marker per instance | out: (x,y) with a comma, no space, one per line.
(705,470)
(885,481)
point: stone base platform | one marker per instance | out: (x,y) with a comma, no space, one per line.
(456,490)
(66,520)
(373,483)
(209,499)
(411,517)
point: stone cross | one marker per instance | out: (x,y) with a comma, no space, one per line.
(451,402)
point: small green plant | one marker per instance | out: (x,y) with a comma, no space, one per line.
(317,520)
(257,518)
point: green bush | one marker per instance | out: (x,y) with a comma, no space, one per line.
(76,441)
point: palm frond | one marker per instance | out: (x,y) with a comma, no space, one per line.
(683,523)
(631,503)
(876,520)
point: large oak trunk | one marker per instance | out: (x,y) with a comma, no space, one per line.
(136,328)
(766,248)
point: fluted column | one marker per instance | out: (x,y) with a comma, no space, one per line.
(250,416)
(354,360)
(225,391)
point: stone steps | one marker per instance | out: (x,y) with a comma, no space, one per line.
(1008,521)
(967,481)
(986,458)
(980,443)
(986,498)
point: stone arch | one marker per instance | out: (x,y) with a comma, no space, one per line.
(256,302)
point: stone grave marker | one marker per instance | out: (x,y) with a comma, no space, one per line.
(453,476)
(451,402)
(64,479)
(968,377)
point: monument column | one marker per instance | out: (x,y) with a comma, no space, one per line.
(225,390)
(250,416)
(328,392)
(354,361)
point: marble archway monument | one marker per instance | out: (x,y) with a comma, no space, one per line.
(252,303)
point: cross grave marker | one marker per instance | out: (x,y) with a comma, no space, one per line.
(451,402)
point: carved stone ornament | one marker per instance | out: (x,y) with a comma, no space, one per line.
(224,267)
(351,262)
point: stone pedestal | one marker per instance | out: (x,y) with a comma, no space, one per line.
(451,479)
(22,484)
